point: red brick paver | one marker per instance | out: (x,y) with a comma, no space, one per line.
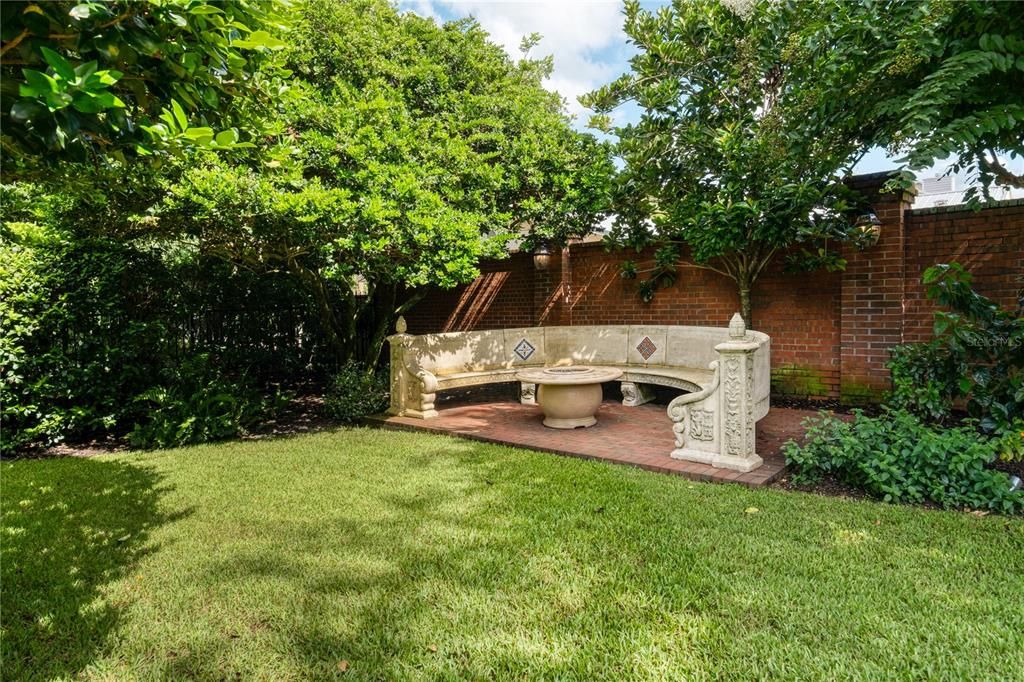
(639,436)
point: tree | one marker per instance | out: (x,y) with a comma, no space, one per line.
(731,157)
(927,80)
(403,153)
(102,82)
(939,79)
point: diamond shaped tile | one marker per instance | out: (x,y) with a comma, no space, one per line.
(646,348)
(524,349)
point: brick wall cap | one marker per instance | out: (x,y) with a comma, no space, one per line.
(868,182)
(959,208)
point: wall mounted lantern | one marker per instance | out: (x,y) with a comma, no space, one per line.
(870,227)
(542,256)
(360,286)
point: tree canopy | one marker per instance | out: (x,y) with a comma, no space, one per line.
(729,157)
(96,81)
(939,79)
(401,155)
(202,199)
(753,113)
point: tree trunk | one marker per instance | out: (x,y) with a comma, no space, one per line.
(340,346)
(385,320)
(744,283)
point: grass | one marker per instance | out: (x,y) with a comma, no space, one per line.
(363,554)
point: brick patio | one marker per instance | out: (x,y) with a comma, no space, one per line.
(638,436)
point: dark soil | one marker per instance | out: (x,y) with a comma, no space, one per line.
(827,486)
(829,405)
(305,414)
(1012,468)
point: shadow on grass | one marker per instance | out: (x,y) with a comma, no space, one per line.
(428,558)
(69,527)
(410,554)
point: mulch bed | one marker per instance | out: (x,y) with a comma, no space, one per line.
(827,486)
(304,414)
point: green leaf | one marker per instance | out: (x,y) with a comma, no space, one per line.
(109,101)
(85,70)
(39,82)
(227,137)
(199,135)
(179,115)
(258,39)
(87,103)
(109,77)
(60,65)
(56,101)
(25,110)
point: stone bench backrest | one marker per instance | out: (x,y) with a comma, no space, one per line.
(621,345)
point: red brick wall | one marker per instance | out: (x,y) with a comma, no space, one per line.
(871,295)
(831,332)
(799,312)
(501,297)
(989,243)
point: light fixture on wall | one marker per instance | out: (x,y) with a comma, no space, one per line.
(542,256)
(360,287)
(870,228)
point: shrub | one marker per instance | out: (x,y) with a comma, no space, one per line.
(195,403)
(73,348)
(977,355)
(356,392)
(87,325)
(1011,442)
(925,378)
(899,459)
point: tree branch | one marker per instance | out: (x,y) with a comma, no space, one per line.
(14,42)
(1001,173)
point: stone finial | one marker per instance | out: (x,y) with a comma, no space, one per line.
(400,325)
(737,329)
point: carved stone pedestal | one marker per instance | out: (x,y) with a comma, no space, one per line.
(716,427)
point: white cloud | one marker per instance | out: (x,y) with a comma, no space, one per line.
(584,37)
(424,8)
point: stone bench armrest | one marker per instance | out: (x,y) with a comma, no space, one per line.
(678,407)
(428,382)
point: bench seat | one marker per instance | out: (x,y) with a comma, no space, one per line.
(711,424)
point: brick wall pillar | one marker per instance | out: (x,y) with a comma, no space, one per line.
(873,295)
(549,290)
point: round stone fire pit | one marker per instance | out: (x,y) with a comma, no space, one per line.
(569,396)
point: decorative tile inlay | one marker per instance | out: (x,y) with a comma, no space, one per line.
(646,348)
(524,349)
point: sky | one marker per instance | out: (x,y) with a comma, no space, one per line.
(589,48)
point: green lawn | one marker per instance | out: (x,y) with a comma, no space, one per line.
(411,556)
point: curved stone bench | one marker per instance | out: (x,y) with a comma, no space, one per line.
(724,372)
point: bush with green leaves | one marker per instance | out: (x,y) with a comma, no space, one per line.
(106,82)
(977,356)
(195,403)
(75,344)
(88,324)
(356,392)
(924,380)
(898,458)
(1011,442)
